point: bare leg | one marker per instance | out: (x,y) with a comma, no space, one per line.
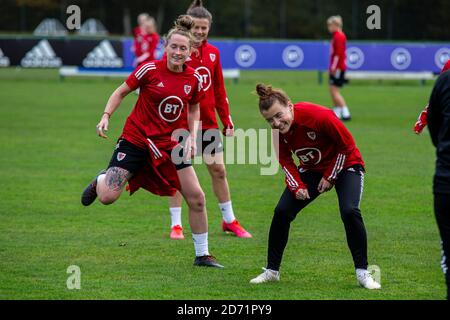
(338,99)
(176,200)
(218,173)
(195,198)
(110,187)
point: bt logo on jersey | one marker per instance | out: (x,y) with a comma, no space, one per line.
(170,108)
(307,155)
(206,77)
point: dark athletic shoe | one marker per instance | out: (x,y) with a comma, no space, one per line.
(346,118)
(207,261)
(90,193)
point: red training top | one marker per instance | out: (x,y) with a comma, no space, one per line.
(160,109)
(206,61)
(162,104)
(145,46)
(337,56)
(320,141)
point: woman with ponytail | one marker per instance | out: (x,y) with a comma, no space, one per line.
(328,157)
(169,97)
(206,61)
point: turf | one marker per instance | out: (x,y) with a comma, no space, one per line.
(49,152)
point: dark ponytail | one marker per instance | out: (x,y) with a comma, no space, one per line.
(268,96)
(198,11)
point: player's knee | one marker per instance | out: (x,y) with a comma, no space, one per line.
(350,212)
(107,198)
(283,214)
(197,201)
(219,172)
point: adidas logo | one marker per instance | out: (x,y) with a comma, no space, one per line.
(41,56)
(161,85)
(103,56)
(4,60)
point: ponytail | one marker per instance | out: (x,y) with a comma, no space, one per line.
(268,96)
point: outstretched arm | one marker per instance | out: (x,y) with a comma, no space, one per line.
(113,103)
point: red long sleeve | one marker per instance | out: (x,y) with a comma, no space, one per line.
(221,99)
(284,155)
(343,141)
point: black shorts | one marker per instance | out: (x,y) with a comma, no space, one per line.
(131,158)
(211,142)
(338,79)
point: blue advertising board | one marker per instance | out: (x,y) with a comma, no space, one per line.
(235,54)
(314,55)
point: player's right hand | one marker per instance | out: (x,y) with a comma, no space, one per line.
(421,122)
(102,127)
(302,194)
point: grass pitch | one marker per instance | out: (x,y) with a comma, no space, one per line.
(49,152)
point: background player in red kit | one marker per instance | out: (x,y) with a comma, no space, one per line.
(422,120)
(337,67)
(206,61)
(144,157)
(146,40)
(328,157)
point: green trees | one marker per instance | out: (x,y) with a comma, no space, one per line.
(295,19)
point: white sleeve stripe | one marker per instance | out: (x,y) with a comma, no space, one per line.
(145,66)
(292,186)
(338,166)
(151,64)
(288,174)
(290,178)
(335,166)
(289,181)
(144,72)
(154,149)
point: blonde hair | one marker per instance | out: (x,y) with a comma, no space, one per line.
(182,26)
(268,96)
(142,17)
(337,20)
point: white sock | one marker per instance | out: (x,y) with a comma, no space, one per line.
(227,211)
(338,112)
(201,244)
(175,216)
(345,112)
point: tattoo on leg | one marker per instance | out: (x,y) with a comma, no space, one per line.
(116,178)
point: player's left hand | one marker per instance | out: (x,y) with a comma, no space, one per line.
(324,185)
(191,148)
(228,132)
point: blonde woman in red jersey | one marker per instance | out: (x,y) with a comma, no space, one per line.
(144,158)
(146,41)
(206,61)
(328,158)
(338,67)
